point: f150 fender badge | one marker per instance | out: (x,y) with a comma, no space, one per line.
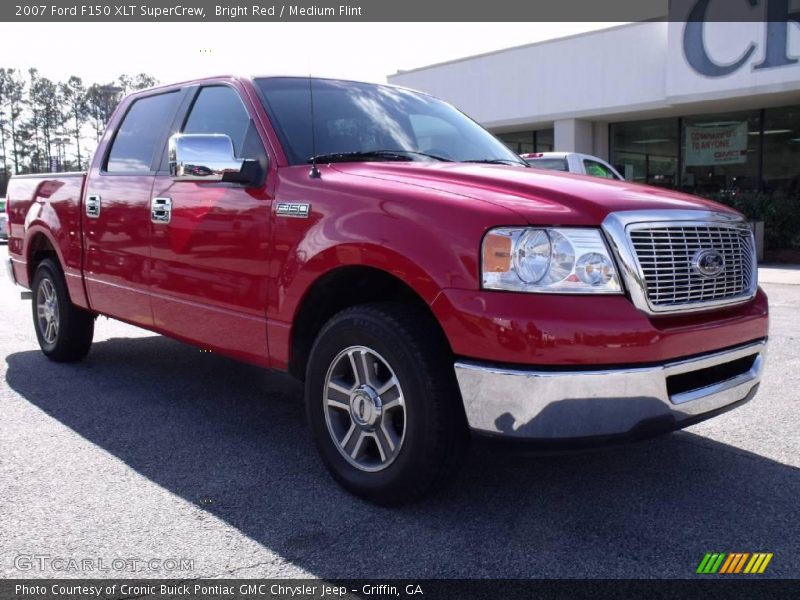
(298,210)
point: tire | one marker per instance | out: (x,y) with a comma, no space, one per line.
(64,330)
(395,431)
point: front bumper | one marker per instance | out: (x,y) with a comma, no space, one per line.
(573,405)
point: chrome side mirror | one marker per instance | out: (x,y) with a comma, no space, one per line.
(206,157)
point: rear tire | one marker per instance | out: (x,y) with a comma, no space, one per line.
(64,330)
(383,404)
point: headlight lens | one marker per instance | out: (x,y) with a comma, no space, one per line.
(558,260)
(532,258)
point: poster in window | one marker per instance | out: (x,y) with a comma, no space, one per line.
(717,144)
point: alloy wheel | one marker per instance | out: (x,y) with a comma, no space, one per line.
(364,408)
(47,311)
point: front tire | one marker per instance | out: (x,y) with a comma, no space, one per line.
(383,405)
(64,330)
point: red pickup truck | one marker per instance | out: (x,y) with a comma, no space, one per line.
(418,276)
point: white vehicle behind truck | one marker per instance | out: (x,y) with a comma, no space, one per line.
(3,220)
(573,162)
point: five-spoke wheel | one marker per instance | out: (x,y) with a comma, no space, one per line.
(47,311)
(64,330)
(365,408)
(383,404)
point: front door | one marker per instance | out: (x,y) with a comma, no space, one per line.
(210,242)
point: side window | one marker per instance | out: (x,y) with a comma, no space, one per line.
(597,169)
(218,109)
(143,126)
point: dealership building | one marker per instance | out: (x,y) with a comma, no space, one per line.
(709,108)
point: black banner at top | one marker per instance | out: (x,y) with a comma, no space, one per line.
(399,11)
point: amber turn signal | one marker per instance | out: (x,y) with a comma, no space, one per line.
(496,253)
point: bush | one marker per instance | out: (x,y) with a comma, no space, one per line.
(779,211)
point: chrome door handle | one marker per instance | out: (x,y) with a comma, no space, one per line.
(93,206)
(161,210)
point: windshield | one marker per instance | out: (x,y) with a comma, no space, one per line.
(362,121)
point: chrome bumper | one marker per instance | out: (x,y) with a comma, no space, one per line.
(570,405)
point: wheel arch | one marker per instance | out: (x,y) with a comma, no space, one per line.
(341,288)
(40,246)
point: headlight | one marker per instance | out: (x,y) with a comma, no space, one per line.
(559,261)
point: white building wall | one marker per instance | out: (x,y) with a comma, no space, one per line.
(578,84)
(592,74)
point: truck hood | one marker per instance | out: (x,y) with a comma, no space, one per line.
(537,195)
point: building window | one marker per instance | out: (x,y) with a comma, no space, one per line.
(782,151)
(779,203)
(646,151)
(520,142)
(745,159)
(544,140)
(720,153)
(526,142)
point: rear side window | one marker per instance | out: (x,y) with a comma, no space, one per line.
(554,164)
(143,126)
(219,109)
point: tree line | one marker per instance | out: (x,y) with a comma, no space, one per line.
(48,125)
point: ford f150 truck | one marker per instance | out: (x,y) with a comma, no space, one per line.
(418,276)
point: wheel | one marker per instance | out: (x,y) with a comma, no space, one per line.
(383,405)
(64,331)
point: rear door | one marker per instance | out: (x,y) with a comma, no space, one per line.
(116,219)
(209,276)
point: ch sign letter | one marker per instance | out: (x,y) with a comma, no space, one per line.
(776,54)
(778,17)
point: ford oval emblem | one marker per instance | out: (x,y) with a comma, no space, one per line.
(709,263)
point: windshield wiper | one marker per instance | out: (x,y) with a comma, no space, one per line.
(425,154)
(497,161)
(373,154)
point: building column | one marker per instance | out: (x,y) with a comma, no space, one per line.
(573,135)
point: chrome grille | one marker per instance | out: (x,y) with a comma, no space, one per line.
(665,254)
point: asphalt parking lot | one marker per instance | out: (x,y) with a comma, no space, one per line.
(152,450)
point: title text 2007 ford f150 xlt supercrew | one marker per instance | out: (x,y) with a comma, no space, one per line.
(415,273)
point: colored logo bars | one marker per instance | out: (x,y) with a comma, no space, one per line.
(734,562)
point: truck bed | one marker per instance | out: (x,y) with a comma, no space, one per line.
(45,216)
